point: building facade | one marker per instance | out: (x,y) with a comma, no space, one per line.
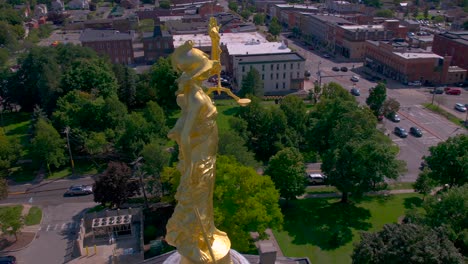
(453,44)
(405,64)
(158,44)
(281,73)
(118,46)
(320,29)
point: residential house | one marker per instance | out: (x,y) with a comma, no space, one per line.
(58,6)
(78,4)
(157,44)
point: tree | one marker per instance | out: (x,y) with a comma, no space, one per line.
(287,171)
(115,185)
(245,14)
(165,4)
(9,153)
(296,112)
(231,144)
(384,13)
(424,184)
(359,166)
(439,19)
(47,146)
(415,12)
(91,76)
(156,157)
(447,161)
(3,188)
(405,243)
(426,13)
(244,202)
(373,3)
(252,84)
(233,6)
(465,25)
(390,106)
(163,83)
(275,27)
(259,19)
(126,79)
(377,98)
(10,222)
(448,210)
(37,80)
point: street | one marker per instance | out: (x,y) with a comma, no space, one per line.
(435,128)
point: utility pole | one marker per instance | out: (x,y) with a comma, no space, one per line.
(67,131)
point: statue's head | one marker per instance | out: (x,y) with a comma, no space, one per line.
(192,61)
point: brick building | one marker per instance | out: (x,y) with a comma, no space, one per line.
(157,44)
(117,45)
(405,64)
(209,9)
(289,14)
(453,44)
(320,29)
(350,40)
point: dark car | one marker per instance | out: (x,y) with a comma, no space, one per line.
(326,56)
(437,91)
(355,92)
(344,69)
(336,69)
(415,131)
(401,132)
(8,260)
(79,190)
(394,117)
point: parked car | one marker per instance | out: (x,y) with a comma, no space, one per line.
(355,92)
(415,83)
(394,117)
(415,131)
(401,132)
(79,190)
(8,260)
(344,69)
(460,107)
(316,178)
(336,69)
(326,56)
(437,91)
(453,91)
(354,78)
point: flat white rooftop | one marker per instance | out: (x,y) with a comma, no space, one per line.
(254,47)
(297,6)
(366,27)
(414,55)
(203,40)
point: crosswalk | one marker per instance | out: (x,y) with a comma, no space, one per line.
(67,226)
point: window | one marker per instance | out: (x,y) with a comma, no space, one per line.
(284,85)
(271,76)
(290,76)
(243,68)
(292,66)
(250,67)
(284,66)
(298,75)
(277,76)
(263,76)
(284,75)
(166,46)
(271,66)
(276,85)
(277,66)
(263,67)
(298,65)
(158,45)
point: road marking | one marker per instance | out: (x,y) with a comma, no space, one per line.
(48,226)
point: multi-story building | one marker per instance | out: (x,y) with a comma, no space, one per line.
(288,14)
(262,6)
(453,44)
(281,73)
(157,44)
(406,64)
(342,7)
(350,40)
(320,29)
(117,45)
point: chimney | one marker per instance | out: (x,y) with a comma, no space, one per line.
(267,252)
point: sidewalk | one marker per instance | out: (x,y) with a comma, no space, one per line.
(21,188)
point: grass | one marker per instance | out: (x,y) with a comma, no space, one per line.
(436,109)
(24,173)
(82,167)
(325,230)
(34,216)
(16,126)
(332,189)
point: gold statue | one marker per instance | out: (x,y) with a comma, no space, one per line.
(191,228)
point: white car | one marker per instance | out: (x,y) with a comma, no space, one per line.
(354,78)
(415,83)
(460,107)
(316,178)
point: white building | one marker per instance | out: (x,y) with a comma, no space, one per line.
(281,73)
(40,10)
(78,4)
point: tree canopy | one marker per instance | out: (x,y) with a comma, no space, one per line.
(9,153)
(252,84)
(287,171)
(376,98)
(275,27)
(163,83)
(47,146)
(115,186)
(448,161)
(405,243)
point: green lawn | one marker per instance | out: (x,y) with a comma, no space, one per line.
(324,230)
(332,189)
(436,109)
(82,167)
(34,216)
